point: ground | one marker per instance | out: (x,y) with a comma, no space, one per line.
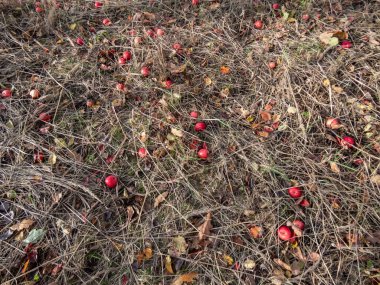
(290,105)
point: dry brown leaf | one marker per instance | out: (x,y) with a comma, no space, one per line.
(214,6)
(149,16)
(24,224)
(265,116)
(282,264)
(376,179)
(205,228)
(56,197)
(334,167)
(160,198)
(224,93)
(177,69)
(208,81)
(168,265)
(256,231)
(130,213)
(263,134)
(177,132)
(314,257)
(185,278)
(298,254)
(117,103)
(337,89)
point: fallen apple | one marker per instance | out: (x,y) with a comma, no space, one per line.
(276,6)
(145,71)
(295,192)
(6,93)
(299,224)
(346,44)
(160,32)
(194,114)
(111,181)
(120,86)
(150,33)
(38,157)
(284,233)
(194,2)
(80,41)
(127,55)
(347,142)
(98,4)
(45,117)
(203,153)
(305,203)
(35,93)
(90,103)
(272,65)
(200,126)
(305,17)
(122,60)
(168,83)
(142,152)
(333,123)
(107,22)
(177,46)
(259,24)
(39,9)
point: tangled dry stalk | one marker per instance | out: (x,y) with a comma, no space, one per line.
(95,235)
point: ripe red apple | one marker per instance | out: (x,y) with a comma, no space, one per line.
(34,93)
(168,83)
(259,24)
(145,71)
(38,157)
(284,233)
(127,55)
(346,44)
(150,33)
(203,153)
(299,224)
(347,142)
(194,2)
(177,46)
(6,93)
(276,6)
(98,4)
(122,60)
(90,103)
(111,181)
(39,9)
(305,17)
(80,42)
(110,158)
(295,192)
(333,123)
(142,152)
(194,114)
(272,65)
(305,203)
(107,22)
(45,117)
(200,126)
(160,32)
(120,86)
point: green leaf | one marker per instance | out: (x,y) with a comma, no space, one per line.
(285,15)
(60,143)
(333,41)
(35,236)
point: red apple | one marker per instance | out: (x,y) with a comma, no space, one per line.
(284,233)
(333,123)
(80,42)
(272,65)
(39,9)
(142,152)
(346,44)
(145,71)
(258,24)
(90,103)
(6,93)
(150,33)
(203,153)
(177,46)
(305,203)
(107,22)
(109,159)
(200,126)
(276,6)
(120,86)
(195,2)
(160,32)
(347,142)
(111,181)
(127,55)
(122,60)
(92,30)
(98,4)
(305,17)
(38,157)
(299,224)
(168,83)
(295,192)
(34,93)
(45,117)
(194,114)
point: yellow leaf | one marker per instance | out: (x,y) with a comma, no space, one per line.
(256,231)
(117,102)
(250,119)
(326,82)
(208,81)
(60,41)
(376,179)
(52,159)
(168,265)
(72,26)
(185,278)
(225,70)
(263,134)
(60,143)
(179,245)
(249,264)
(228,259)
(177,133)
(148,253)
(334,167)
(71,141)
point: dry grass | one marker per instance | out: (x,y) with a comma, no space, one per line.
(97,233)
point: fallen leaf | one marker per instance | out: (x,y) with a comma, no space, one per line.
(214,6)
(24,224)
(228,259)
(333,41)
(204,229)
(376,179)
(52,159)
(314,257)
(19,236)
(265,116)
(337,89)
(35,236)
(56,197)
(168,265)
(282,264)
(263,134)
(334,167)
(225,70)
(177,69)
(56,269)
(117,102)
(249,264)
(298,254)
(130,213)
(60,143)
(185,278)
(177,132)
(208,81)
(160,198)
(179,245)
(72,26)
(256,231)
(326,82)
(292,110)
(224,93)
(374,237)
